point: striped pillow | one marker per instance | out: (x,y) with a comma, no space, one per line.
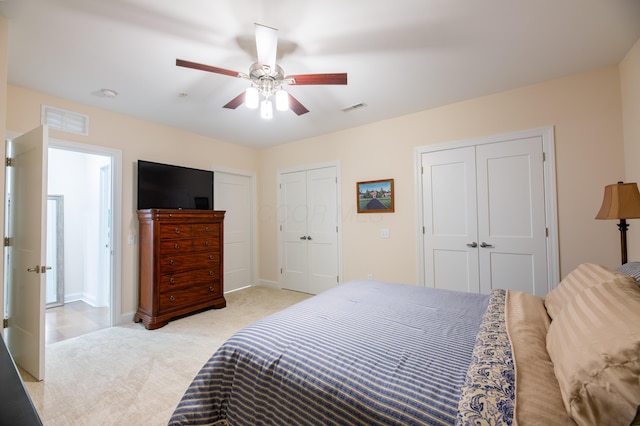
(584,276)
(631,268)
(538,397)
(594,344)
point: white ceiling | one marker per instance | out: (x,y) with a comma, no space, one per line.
(401,56)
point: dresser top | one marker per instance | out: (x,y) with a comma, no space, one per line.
(179,214)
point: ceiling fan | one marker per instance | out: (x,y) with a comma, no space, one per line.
(267,78)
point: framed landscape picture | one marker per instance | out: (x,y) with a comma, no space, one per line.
(375,196)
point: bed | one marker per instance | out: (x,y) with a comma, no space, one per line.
(375,353)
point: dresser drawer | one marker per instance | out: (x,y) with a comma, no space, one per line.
(188,296)
(212,244)
(189,261)
(175,231)
(205,229)
(170,282)
(173,247)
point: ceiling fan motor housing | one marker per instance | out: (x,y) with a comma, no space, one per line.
(265,79)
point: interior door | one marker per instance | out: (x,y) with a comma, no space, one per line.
(484,217)
(309,230)
(26,228)
(293,227)
(511,216)
(451,226)
(322,232)
(232,193)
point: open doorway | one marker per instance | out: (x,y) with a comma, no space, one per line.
(80,242)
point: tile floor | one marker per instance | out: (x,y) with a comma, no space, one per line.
(74,319)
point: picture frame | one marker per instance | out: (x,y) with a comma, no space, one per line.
(375,196)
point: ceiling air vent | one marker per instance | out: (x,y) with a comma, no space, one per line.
(354,106)
(66,121)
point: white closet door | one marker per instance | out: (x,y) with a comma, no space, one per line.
(293,211)
(322,222)
(449,185)
(484,217)
(511,216)
(309,235)
(232,193)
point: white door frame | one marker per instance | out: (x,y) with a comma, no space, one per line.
(115,300)
(551,211)
(253,214)
(302,168)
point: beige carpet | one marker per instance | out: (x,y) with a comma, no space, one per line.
(127,375)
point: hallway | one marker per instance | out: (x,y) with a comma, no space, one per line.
(74,319)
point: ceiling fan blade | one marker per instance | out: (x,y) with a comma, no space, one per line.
(300,79)
(202,67)
(235,102)
(266,45)
(296,106)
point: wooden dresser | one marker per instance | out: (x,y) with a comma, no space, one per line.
(180,269)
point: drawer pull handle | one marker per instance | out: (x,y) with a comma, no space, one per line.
(177,231)
(171,280)
(211,273)
(210,257)
(206,243)
(210,288)
(176,245)
(206,229)
(171,262)
(171,298)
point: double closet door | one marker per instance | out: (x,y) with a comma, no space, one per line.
(309,230)
(484,222)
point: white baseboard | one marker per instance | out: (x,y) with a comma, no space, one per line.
(125,318)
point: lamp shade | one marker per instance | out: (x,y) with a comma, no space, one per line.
(621,201)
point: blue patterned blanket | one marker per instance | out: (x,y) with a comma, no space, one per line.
(364,353)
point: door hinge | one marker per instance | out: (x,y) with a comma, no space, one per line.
(544,156)
(338,279)
(336,228)
(546,230)
(5,323)
(280,228)
(8,161)
(7,241)
(423,230)
(280,271)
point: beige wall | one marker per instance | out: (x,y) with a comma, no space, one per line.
(136,139)
(585,111)
(4,47)
(630,89)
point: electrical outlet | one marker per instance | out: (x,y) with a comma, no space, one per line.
(370,277)
(384,233)
(131,240)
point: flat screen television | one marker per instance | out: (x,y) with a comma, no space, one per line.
(165,186)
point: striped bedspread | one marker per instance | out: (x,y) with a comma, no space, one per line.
(364,353)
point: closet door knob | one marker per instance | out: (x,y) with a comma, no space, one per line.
(472,245)
(303,238)
(485,245)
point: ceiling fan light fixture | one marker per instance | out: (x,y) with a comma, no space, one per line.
(252,98)
(266,109)
(282,100)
